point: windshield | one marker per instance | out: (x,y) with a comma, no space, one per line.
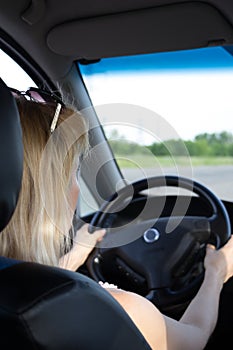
(172,113)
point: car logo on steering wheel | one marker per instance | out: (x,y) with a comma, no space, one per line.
(151,235)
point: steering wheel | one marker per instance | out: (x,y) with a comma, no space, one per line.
(161,257)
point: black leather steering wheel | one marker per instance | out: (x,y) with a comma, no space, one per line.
(165,260)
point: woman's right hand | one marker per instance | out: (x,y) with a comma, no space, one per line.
(220,260)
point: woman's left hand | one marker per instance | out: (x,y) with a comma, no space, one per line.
(83,244)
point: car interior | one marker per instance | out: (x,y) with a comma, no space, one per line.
(63,47)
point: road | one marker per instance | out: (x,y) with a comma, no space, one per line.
(217,178)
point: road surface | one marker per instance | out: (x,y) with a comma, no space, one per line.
(218,178)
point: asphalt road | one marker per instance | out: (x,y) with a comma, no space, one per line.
(219,178)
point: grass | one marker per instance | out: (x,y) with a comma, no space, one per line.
(150,161)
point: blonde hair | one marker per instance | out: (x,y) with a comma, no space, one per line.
(39,230)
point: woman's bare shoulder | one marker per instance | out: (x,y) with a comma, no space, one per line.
(144,314)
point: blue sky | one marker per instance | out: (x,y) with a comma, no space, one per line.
(215,57)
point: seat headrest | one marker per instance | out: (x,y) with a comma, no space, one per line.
(11,154)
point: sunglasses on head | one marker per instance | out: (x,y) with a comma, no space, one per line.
(39,95)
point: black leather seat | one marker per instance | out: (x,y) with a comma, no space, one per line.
(42,307)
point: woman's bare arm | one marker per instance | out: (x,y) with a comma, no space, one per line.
(193,330)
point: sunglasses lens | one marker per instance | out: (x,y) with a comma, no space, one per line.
(36,95)
(43,96)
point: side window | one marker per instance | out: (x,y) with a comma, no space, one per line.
(12,74)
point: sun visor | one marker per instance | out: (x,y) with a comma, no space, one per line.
(164,28)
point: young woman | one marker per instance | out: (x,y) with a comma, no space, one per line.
(41,227)
(49,192)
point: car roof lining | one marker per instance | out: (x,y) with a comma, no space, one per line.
(55,35)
